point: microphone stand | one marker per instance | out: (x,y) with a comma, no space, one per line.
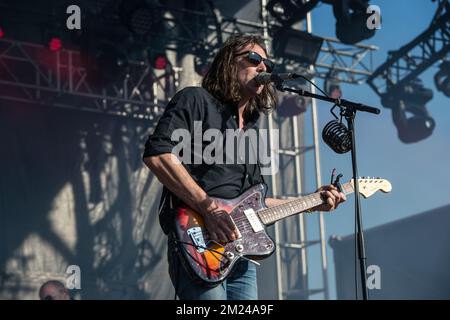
(350,109)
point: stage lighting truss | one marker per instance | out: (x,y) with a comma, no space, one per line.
(350,63)
(393,77)
(30,73)
(201,30)
(412,59)
(144,91)
(442,78)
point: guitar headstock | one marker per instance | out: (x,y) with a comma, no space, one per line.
(368,186)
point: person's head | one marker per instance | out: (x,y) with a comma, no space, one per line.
(53,290)
(231,75)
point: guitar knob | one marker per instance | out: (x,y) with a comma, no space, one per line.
(229,255)
(239,248)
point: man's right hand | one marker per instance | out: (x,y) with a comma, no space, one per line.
(176,178)
(218,222)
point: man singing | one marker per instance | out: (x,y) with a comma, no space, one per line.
(228,99)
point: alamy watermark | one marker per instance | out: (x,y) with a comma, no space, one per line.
(73,22)
(232,147)
(374,21)
(73,281)
(374,278)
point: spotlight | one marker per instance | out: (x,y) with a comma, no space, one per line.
(297,45)
(415,128)
(351,18)
(2,33)
(160,62)
(51,37)
(142,16)
(334,90)
(331,85)
(411,98)
(202,60)
(201,65)
(291,105)
(442,78)
(55,44)
(288,12)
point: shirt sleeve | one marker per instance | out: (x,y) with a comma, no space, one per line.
(181,112)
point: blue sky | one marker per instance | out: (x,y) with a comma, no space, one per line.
(419,172)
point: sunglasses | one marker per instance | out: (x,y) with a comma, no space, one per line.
(256,59)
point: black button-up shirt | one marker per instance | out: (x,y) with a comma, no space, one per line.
(226,180)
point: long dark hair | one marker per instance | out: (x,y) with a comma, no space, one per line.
(221,79)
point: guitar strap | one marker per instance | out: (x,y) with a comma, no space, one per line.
(166,212)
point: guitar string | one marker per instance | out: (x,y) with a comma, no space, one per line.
(304,201)
(269,212)
(202,247)
(243,226)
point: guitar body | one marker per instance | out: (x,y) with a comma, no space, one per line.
(212,261)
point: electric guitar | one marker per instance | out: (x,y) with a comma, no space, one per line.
(212,261)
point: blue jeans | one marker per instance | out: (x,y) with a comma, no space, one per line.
(240,284)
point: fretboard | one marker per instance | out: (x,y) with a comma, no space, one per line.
(273,214)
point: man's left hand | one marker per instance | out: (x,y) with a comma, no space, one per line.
(331,196)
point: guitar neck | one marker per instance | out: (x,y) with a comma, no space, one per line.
(273,214)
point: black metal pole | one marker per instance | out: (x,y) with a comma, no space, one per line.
(349,116)
(350,109)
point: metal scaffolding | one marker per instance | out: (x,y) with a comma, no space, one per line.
(30,73)
(412,59)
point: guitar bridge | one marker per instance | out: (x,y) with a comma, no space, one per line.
(196,236)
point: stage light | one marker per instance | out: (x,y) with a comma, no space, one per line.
(300,46)
(160,62)
(415,128)
(331,85)
(2,33)
(51,37)
(157,59)
(55,44)
(351,20)
(291,105)
(442,78)
(288,12)
(202,60)
(142,16)
(411,99)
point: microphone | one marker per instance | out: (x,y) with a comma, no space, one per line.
(266,78)
(337,137)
